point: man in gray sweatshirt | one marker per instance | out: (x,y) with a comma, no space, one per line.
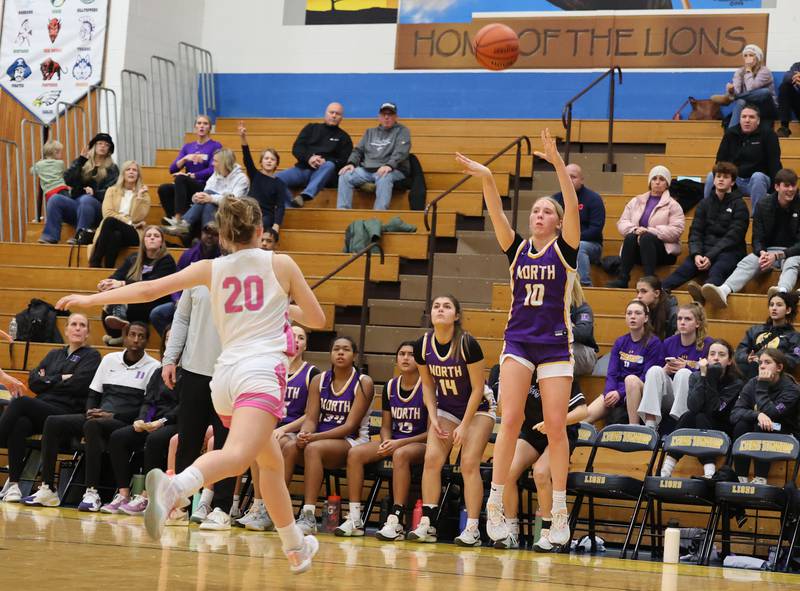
(381,157)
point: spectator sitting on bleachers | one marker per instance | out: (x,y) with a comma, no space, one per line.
(776,333)
(584,347)
(321,149)
(114,397)
(593,216)
(269,239)
(716,236)
(265,186)
(89,175)
(191,169)
(767,404)
(713,391)
(776,243)
(756,152)
(651,224)
(152,261)
(631,356)
(662,306)
(50,170)
(60,382)
(207,247)
(151,432)
(125,208)
(789,99)
(752,83)
(381,157)
(228,179)
(667,387)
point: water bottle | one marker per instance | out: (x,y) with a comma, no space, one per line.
(462,519)
(416,514)
(537,527)
(333,514)
(12,329)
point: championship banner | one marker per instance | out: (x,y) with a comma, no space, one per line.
(51,51)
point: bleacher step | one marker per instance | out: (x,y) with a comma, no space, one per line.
(474,290)
(487,266)
(381,339)
(381,367)
(477,242)
(602,182)
(406,313)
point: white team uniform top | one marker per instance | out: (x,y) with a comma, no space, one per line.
(249,306)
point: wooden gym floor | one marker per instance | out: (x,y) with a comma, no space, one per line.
(51,548)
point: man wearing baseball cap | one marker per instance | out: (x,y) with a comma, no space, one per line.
(381,157)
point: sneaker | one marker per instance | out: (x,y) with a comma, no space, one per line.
(298,201)
(84,237)
(91,501)
(509,543)
(71,241)
(110,341)
(199,515)
(300,559)
(6,486)
(44,497)
(307,523)
(169,221)
(236,510)
(391,531)
(44,240)
(261,522)
(559,529)
(783,131)
(177,517)
(12,494)
(217,520)
(715,296)
(424,532)
(543,543)
(696,291)
(114,506)
(773,290)
(469,537)
(722,99)
(162,498)
(136,506)
(620,283)
(181,228)
(350,528)
(252,514)
(758,480)
(117,318)
(496,526)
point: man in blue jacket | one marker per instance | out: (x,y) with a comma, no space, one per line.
(592,212)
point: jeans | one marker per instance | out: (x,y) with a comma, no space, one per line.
(359,176)
(761,97)
(588,252)
(749,267)
(646,249)
(161,316)
(200,214)
(314,180)
(83,212)
(719,270)
(757,186)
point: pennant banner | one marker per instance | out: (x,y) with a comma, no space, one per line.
(52,51)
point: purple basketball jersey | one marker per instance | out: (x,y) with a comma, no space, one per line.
(297,393)
(335,406)
(451,377)
(409,415)
(541,288)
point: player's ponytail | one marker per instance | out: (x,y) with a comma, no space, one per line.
(237,219)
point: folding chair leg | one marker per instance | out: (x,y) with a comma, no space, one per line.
(792,543)
(656,525)
(442,502)
(576,511)
(635,555)
(779,543)
(373,494)
(592,532)
(629,534)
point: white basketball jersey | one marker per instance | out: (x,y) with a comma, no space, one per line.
(249,306)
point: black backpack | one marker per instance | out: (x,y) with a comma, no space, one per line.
(687,193)
(37,323)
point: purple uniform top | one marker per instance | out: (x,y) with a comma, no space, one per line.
(629,357)
(297,392)
(409,415)
(334,407)
(449,372)
(541,289)
(672,347)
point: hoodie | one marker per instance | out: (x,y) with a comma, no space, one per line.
(383,147)
(236,183)
(778,401)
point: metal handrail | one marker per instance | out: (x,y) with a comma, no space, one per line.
(197,81)
(106,120)
(136,141)
(8,147)
(366,251)
(31,146)
(76,144)
(566,117)
(432,209)
(164,91)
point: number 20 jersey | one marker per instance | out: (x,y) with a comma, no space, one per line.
(541,290)
(249,306)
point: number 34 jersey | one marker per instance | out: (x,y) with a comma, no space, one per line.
(541,290)
(249,306)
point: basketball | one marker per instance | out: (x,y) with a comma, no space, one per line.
(496,46)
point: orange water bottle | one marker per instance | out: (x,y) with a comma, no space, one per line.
(416,514)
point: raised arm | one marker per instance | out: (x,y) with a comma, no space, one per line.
(571,226)
(491,196)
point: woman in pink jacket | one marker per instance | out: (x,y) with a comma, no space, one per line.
(651,224)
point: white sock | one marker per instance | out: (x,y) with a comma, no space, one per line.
(188,482)
(310,509)
(650,423)
(559,501)
(472,523)
(258,503)
(291,537)
(355,512)
(513,525)
(207,496)
(725,289)
(709,470)
(668,466)
(496,492)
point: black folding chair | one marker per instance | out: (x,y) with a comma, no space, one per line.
(767,447)
(696,443)
(794,503)
(623,439)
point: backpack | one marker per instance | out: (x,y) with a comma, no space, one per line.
(417,188)
(37,323)
(687,193)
